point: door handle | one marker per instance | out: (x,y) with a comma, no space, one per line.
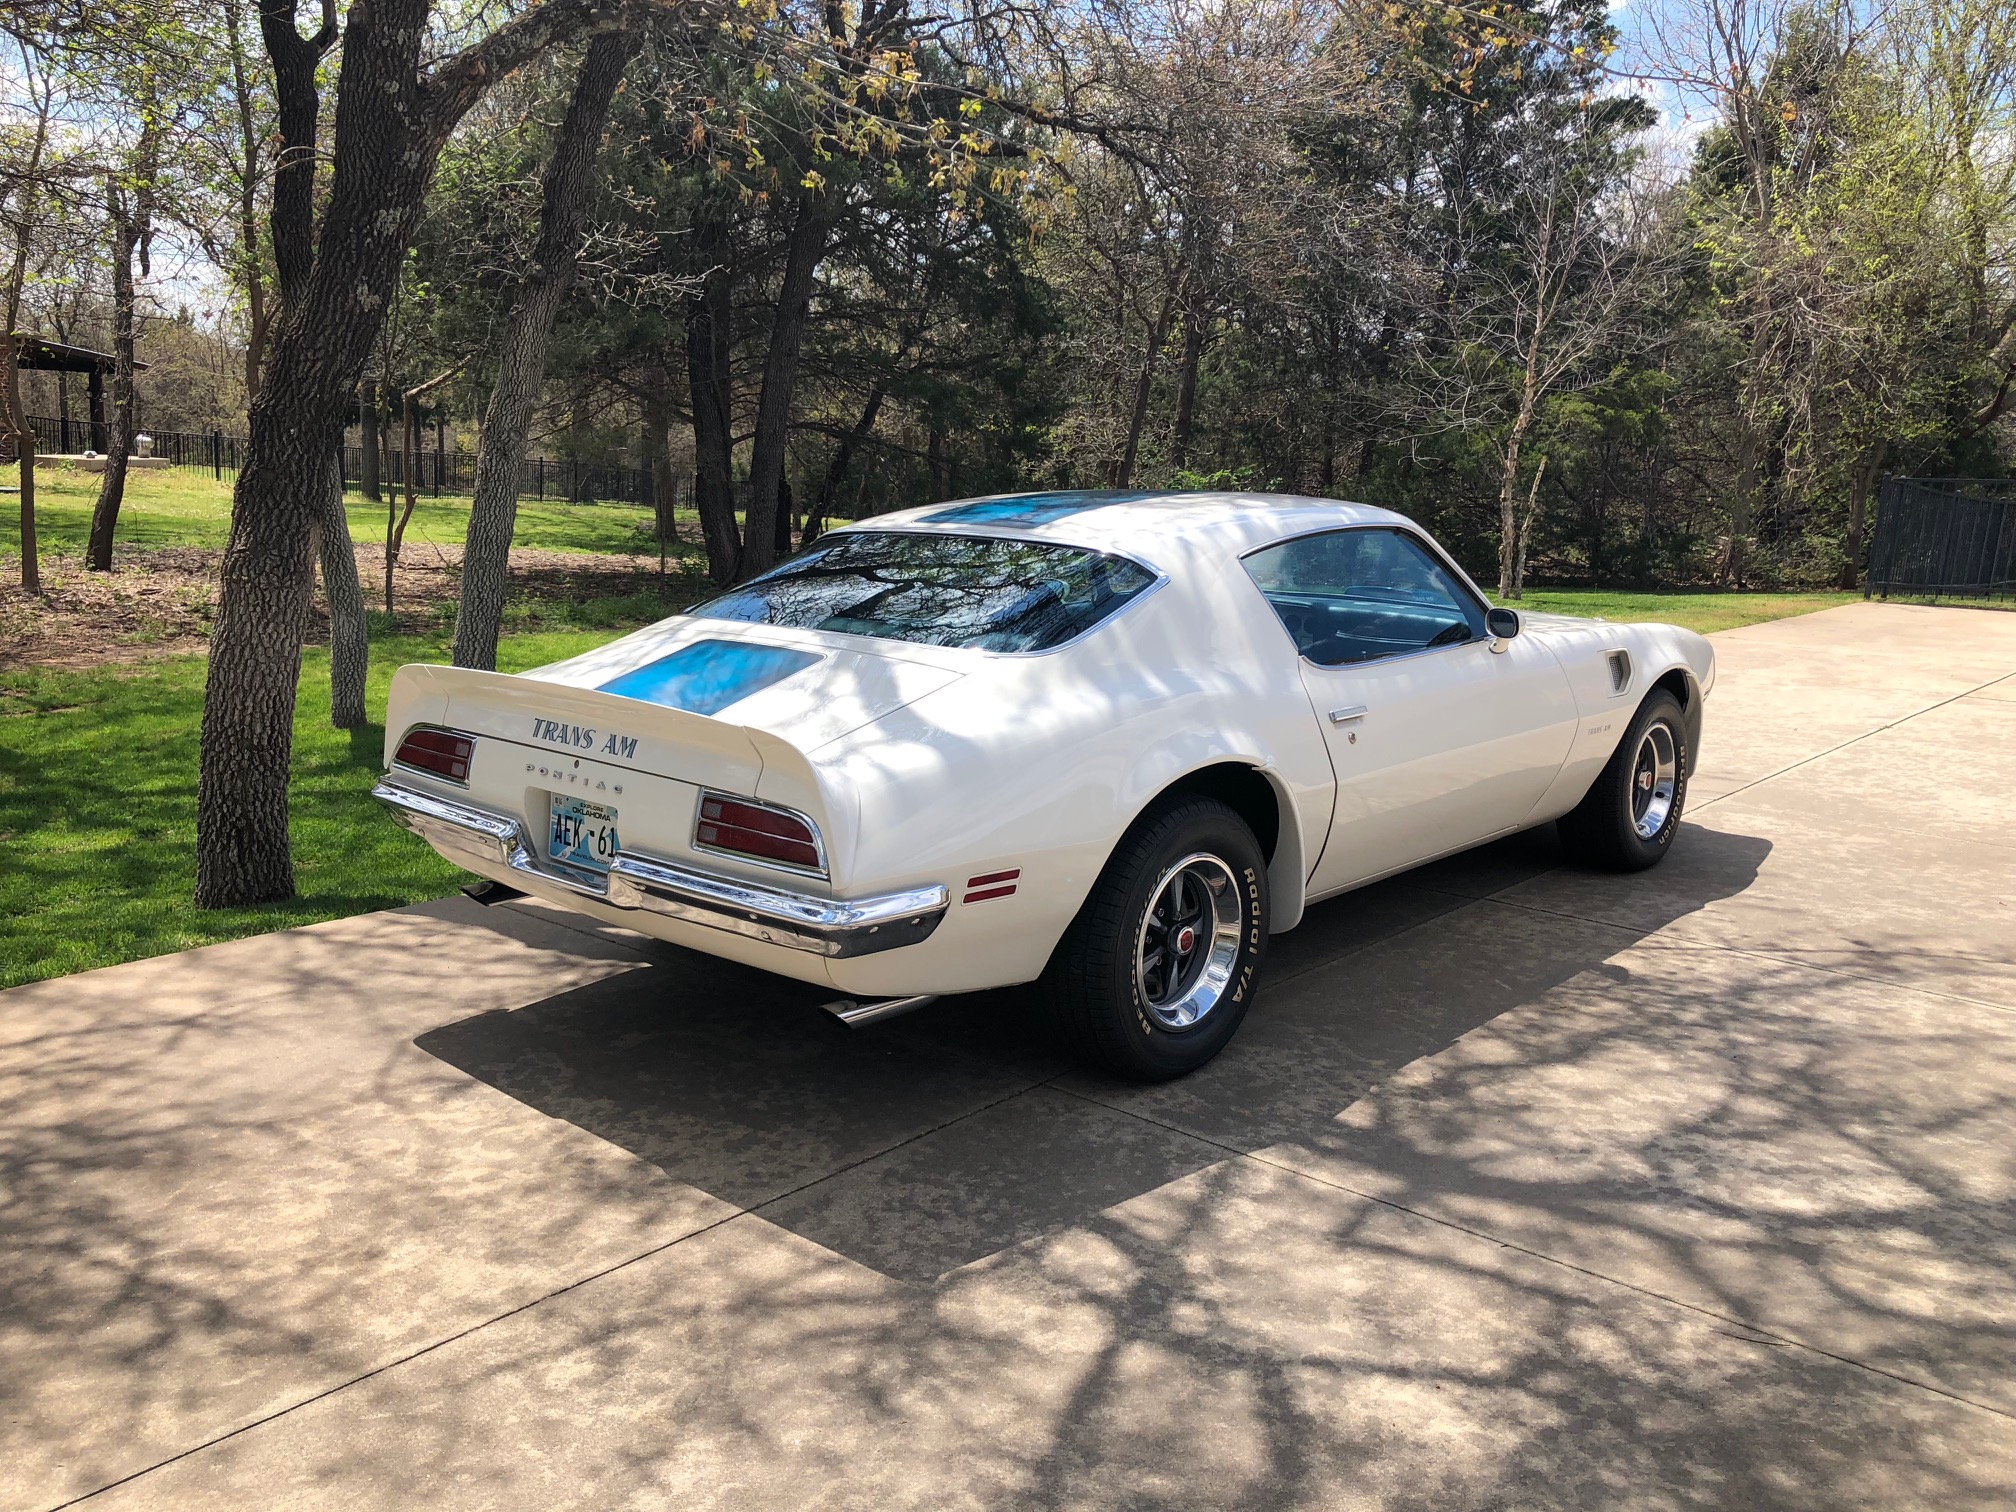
(1346,716)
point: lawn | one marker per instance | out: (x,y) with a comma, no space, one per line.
(1705,612)
(98,810)
(98,767)
(170,507)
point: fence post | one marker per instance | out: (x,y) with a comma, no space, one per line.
(542,479)
(217,454)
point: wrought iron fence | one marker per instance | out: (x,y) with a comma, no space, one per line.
(435,471)
(1944,538)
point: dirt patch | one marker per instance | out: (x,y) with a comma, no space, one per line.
(160,601)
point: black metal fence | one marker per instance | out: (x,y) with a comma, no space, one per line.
(1944,538)
(435,471)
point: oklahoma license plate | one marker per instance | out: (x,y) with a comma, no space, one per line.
(581,833)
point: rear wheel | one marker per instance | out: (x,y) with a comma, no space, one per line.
(1155,973)
(1628,819)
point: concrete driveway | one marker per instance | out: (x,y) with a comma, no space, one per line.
(1521,1187)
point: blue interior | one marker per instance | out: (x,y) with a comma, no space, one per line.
(1335,630)
(1033,509)
(707,676)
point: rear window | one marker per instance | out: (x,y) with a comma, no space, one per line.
(943,590)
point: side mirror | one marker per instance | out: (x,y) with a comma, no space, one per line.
(1503,625)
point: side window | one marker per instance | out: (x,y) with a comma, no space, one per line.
(1359,595)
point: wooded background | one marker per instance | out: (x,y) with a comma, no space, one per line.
(1656,306)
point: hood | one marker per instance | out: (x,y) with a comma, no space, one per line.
(807,687)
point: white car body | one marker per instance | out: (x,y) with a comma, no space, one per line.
(932,773)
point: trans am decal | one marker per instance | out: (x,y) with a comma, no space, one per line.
(707,676)
(582,738)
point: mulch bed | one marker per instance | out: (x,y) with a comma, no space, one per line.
(160,601)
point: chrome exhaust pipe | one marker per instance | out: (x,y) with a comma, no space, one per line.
(855,1014)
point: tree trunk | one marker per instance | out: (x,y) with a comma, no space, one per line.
(1508,509)
(1526,531)
(1123,470)
(936,461)
(836,470)
(390,124)
(710,333)
(521,361)
(780,380)
(658,417)
(24,451)
(126,233)
(349,631)
(250,170)
(1186,388)
(1859,485)
(368,471)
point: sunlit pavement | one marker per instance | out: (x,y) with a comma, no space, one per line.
(1521,1187)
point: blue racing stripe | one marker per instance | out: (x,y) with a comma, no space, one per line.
(707,676)
(1033,509)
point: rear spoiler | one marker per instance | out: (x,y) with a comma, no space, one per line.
(622,732)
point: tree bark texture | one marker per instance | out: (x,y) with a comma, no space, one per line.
(349,630)
(391,121)
(780,380)
(521,360)
(126,233)
(710,317)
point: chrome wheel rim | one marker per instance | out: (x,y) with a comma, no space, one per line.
(1655,775)
(1188,941)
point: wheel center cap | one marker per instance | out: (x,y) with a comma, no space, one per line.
(1186,940)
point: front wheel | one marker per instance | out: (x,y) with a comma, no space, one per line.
(1161,964)
(1628,819)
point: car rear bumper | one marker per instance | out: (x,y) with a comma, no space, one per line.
(833,927)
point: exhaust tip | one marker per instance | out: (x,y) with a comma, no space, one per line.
(854,1014)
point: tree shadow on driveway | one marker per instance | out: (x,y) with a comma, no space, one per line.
(925,1143)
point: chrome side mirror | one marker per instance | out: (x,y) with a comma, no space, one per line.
(1503,625)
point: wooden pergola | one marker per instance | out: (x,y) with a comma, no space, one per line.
(32,354)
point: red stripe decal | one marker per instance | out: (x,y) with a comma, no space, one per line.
(992,892)
(992,877)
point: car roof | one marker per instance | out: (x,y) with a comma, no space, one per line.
(1143,523)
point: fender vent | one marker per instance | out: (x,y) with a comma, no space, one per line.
(1620,671)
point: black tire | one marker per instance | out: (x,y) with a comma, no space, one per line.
(1616,826)
(1129,1020)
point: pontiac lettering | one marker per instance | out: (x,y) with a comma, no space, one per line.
(583,738)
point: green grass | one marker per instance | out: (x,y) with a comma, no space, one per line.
(1705,612)
(98,810)
(170,507)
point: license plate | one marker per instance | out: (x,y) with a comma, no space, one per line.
(581,833)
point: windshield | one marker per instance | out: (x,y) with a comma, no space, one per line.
(979,592)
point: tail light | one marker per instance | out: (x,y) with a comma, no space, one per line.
(442,752)
(756,830)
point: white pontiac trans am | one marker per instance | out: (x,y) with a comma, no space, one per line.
(1108,742)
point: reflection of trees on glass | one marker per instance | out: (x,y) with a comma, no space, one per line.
(943,590)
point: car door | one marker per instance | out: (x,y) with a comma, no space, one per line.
(1440,735)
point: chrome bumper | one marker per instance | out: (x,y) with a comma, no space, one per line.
(797,921)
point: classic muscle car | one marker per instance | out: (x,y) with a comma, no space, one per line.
(1103,742)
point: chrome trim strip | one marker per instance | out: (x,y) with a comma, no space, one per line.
(836,927)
